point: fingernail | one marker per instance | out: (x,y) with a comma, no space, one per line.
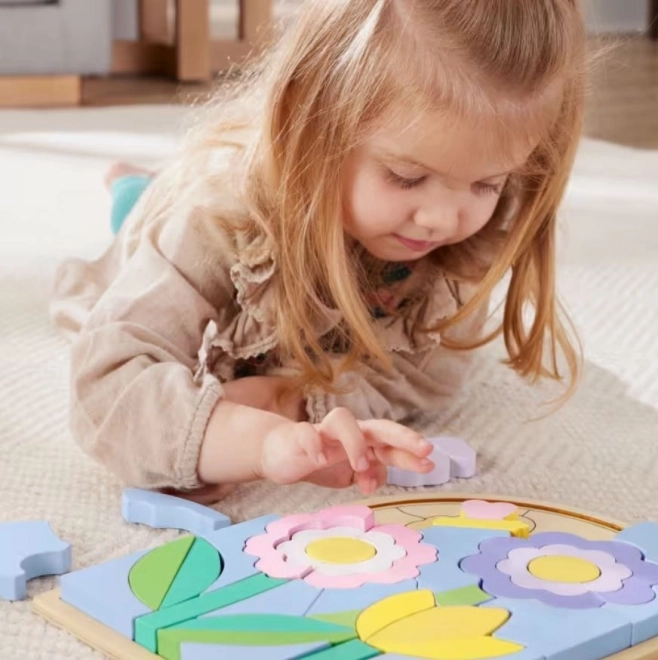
(362,464)
(427,463)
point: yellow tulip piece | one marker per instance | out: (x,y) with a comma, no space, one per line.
(390,610)
(469,648)
(446,633)
(514,527)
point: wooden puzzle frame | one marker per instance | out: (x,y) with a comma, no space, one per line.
(117,647)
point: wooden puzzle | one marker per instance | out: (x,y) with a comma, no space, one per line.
(443,578)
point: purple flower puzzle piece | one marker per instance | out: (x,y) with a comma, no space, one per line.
(636,589)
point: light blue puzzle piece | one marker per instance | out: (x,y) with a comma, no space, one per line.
(352,650)
(453,544)
(643,618)
(526,654)
(293,598)
(343,600)
(644,536)
(103,593)
(561,633)
(191,651)
(165,511)
(29,550)
(230,542)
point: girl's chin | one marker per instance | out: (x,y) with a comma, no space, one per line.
(392,250)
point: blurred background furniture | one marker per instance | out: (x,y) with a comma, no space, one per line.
(179,39)
(47,45)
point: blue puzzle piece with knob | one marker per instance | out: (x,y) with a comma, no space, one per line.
(166,511)
(29,550)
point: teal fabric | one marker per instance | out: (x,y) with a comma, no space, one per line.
(126,191)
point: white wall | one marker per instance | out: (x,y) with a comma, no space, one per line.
(617,15)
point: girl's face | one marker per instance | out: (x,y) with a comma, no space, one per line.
(411,189)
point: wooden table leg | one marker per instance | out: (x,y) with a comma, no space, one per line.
(255,20)
(154,22)
(192,40)
(653,19)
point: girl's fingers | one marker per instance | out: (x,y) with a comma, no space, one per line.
(340,425)
(399,458)
(384,432)
(372,479)
(311,443)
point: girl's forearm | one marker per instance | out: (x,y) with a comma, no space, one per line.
(232,444)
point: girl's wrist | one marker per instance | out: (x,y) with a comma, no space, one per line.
(233,443)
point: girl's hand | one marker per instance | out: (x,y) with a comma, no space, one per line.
(314,452)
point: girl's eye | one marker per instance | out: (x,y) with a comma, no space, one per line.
(487,189)
(402,181)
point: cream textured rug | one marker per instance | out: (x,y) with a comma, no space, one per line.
(599,453)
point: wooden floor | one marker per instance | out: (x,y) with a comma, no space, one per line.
(623,99)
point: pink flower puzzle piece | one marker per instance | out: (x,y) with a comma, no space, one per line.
(284,550)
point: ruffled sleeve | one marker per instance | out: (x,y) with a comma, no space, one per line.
(138,315)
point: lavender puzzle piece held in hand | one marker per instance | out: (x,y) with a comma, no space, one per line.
(453,458)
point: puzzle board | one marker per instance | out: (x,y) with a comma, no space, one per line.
(443,578)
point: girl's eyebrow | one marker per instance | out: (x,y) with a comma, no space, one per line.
(407,160)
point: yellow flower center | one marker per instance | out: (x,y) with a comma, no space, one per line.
(562,568)
(340,550)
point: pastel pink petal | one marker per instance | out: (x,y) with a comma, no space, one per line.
(482,510)
(259,545)
(422,554)
(281,529)
(403,569)
(321,581)
(361,517)
(403,536)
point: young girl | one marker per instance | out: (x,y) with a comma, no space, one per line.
(315,266)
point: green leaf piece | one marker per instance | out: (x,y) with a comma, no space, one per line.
(200,568)
(151,576)
(347,619)
(250,630)
(352,650)
(148,625)
(465,596)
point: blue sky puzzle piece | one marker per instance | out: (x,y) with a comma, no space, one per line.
(103,593)
(644,536)
(218,651)
(29,550)
(343,600)
(453,544)
(643,618)
(561,633)
(293,598)
(166,511)
(230,542)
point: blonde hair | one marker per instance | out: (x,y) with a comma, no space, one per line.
(341,67)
